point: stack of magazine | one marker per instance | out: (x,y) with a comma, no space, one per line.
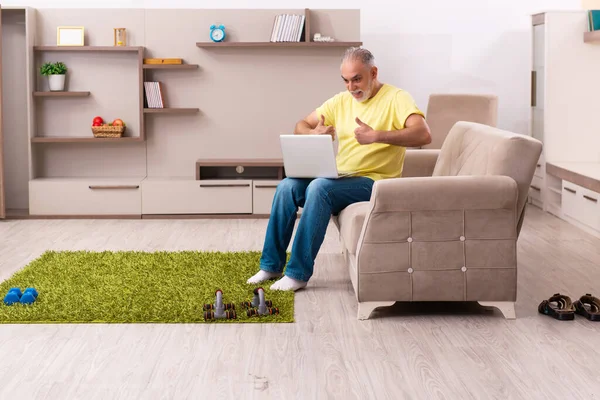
(154,95)
(288,28)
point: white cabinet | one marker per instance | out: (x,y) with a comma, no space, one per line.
(565,69)
(164,196)
(85,196)
(262,196)
(581,204)
(189,196)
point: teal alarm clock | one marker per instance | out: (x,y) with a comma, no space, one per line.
(217,33)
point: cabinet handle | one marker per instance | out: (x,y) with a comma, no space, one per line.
(533,89)
(266,186)
(570,190)
(539,165)
(224,184)
(535,188)
(590,198)
(114,187)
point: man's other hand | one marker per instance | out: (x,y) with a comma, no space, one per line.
(364,134)
(321,129)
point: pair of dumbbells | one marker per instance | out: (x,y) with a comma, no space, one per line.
(219,310)
(259,306)
(15,295)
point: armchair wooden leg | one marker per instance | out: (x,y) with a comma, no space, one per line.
(366,308)
(507,308)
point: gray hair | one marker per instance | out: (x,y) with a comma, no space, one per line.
(359,54)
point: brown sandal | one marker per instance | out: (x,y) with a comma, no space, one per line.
(589,307)
(559,307)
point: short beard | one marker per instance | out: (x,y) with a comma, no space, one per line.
(366,94)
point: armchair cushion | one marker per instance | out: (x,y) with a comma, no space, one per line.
(445,110)
(419,162)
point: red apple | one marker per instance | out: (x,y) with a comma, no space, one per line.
(98,120)
(118,122)
(96,124)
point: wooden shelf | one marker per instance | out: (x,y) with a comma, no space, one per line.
(122,49)
(61,94)
(169,110)
(83,139)
(278,44)
(555,190)
(226,168)
(170,66)
(248,162)
(591,37)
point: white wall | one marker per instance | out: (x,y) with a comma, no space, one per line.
(423,46)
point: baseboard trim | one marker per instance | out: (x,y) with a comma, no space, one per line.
(205,216)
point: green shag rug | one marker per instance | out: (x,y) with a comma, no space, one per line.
(138,287)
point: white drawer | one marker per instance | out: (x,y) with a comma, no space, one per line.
(590,208)
(66,196)
(187,196)
(581,204)
(262,196)
(569,200)
(535,189)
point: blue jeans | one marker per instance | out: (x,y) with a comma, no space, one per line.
(320,198)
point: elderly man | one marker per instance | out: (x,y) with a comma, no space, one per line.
(374,122)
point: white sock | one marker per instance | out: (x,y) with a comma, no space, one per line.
(287,283)
(262,276)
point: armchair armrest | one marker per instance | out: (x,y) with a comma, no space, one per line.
(419,162)
(439,238)
(445,193)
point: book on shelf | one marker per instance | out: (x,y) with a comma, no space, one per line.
(288,28)
(593,20)
(154,95)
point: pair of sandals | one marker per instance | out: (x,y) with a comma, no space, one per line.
(562,308)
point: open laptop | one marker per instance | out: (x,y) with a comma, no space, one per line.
(310,156)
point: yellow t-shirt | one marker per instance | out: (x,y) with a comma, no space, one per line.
(387,111)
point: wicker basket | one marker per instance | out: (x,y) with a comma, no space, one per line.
(108,131)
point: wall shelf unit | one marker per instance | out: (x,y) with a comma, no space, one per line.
(171,162)
(61,94)
(311,25)
(110,64)
(148,71)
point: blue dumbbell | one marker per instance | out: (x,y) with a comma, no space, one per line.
(29,296)
(13,296)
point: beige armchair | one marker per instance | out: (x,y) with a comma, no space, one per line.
(444,110)
(449,231)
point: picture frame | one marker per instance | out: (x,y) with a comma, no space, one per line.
(70,36)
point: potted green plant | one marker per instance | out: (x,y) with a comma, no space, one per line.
(56,73)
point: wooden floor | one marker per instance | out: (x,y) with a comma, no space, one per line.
(407,351)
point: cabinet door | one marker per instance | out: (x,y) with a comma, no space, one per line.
(2,200)
(537,82)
